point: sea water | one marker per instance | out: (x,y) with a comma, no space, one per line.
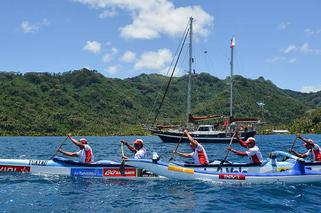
(35,193)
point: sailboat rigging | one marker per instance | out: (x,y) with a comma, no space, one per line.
(204,133)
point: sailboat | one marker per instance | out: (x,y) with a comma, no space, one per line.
(213,133)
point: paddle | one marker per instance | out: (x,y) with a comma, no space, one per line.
(172,158)
(228,151)
(122,151)
(293,143)
(122,164)
(58,149)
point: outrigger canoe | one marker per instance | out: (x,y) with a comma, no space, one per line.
(297,173)
(62,166)
(268,165)
(234,167)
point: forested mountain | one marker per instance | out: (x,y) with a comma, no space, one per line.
(312,99)
(308,124)
(85,102)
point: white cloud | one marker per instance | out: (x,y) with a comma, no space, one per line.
(292,48)
(128,57)
(289,49)
(292,60)
(92,46)
(310,32)
(154,60)
(28,27)
(283,25)
(109,56)
(106,58)
(308,89)
(280,59)
(304,48)
(114,50)
(273,59)
(151,18)
(112,69)
(108,13)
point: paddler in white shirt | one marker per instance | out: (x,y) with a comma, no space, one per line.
(138,149)
(199,154)
(313,149)
(253,151)
(85,153)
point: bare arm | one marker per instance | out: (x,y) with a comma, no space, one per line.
(298,154)
(190,138)
(239,153)
(131,148)
(305,140)
(242,143)
(185,155)
(70,154)
(77,143)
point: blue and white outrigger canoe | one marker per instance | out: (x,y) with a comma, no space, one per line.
(62,166)
(148,168)
(270,172)
(268,165)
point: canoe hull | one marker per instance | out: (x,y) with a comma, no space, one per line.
(183,173)
(60,166)
(265,167)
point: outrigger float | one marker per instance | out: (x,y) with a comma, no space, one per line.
(293,171)
(62,166)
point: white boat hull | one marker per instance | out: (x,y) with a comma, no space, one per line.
(182,173)
(60,166)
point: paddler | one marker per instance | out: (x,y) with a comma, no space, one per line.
(138,149)
(253,151)
(311,146)
(85,153)
(199,154)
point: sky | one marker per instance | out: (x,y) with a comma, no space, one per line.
(278,40)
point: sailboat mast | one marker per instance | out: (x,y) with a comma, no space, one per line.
(231,77)
(189,101)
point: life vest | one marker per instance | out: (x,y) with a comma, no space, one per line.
(316,155)
(89,154)
(255,155)
(202,157)
(255,159)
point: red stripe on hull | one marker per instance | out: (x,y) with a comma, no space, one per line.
(231,176)
(116,172)
(5,168)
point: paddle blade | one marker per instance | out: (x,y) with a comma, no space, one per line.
(122,168)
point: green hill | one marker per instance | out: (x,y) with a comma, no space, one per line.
(310,123)
(85,102)
(312,99)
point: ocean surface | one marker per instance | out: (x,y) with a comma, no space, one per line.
(33,193)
